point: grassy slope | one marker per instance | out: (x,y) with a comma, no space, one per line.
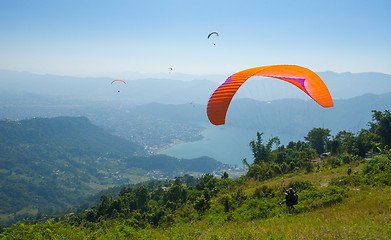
(364,214)
(361,217)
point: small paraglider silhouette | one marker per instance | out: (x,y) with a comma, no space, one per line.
(212,34)
(118,80)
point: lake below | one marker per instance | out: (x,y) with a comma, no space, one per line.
(225,144)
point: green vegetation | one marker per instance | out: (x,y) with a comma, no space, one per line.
(344,194)
(48,165)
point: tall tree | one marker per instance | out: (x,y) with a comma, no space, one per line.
(201,204)
(104,206)
(141,195)
(381,125)
(261,152)
(317,139)
(206,181)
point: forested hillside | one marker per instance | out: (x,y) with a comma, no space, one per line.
(52,164)
(342,194)
(68,133)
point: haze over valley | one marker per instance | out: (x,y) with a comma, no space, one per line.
(169,116)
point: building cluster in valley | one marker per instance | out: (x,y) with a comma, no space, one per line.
(233,171)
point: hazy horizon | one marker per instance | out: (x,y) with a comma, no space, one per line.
(134,75)
(78,38)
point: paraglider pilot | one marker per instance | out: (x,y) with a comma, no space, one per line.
(291,198)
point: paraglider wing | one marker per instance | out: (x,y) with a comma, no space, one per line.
(301,77)
(118,80)
(210,34)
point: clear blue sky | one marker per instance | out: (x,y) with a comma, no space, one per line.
(80,37)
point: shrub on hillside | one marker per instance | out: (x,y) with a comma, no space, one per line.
(300,185)
(376,171)
(315,198)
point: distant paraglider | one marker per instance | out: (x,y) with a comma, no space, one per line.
(169,69)
(301,77)
(212,34)
(118,80)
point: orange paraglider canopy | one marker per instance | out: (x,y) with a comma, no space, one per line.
(301,77)
(118,80)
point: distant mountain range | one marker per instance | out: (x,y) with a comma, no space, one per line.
(135,92)
(171,114)
(176,91)
(349,85)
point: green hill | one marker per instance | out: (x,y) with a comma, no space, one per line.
(344,194)
(67,133)
(52,164)
(332,205)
